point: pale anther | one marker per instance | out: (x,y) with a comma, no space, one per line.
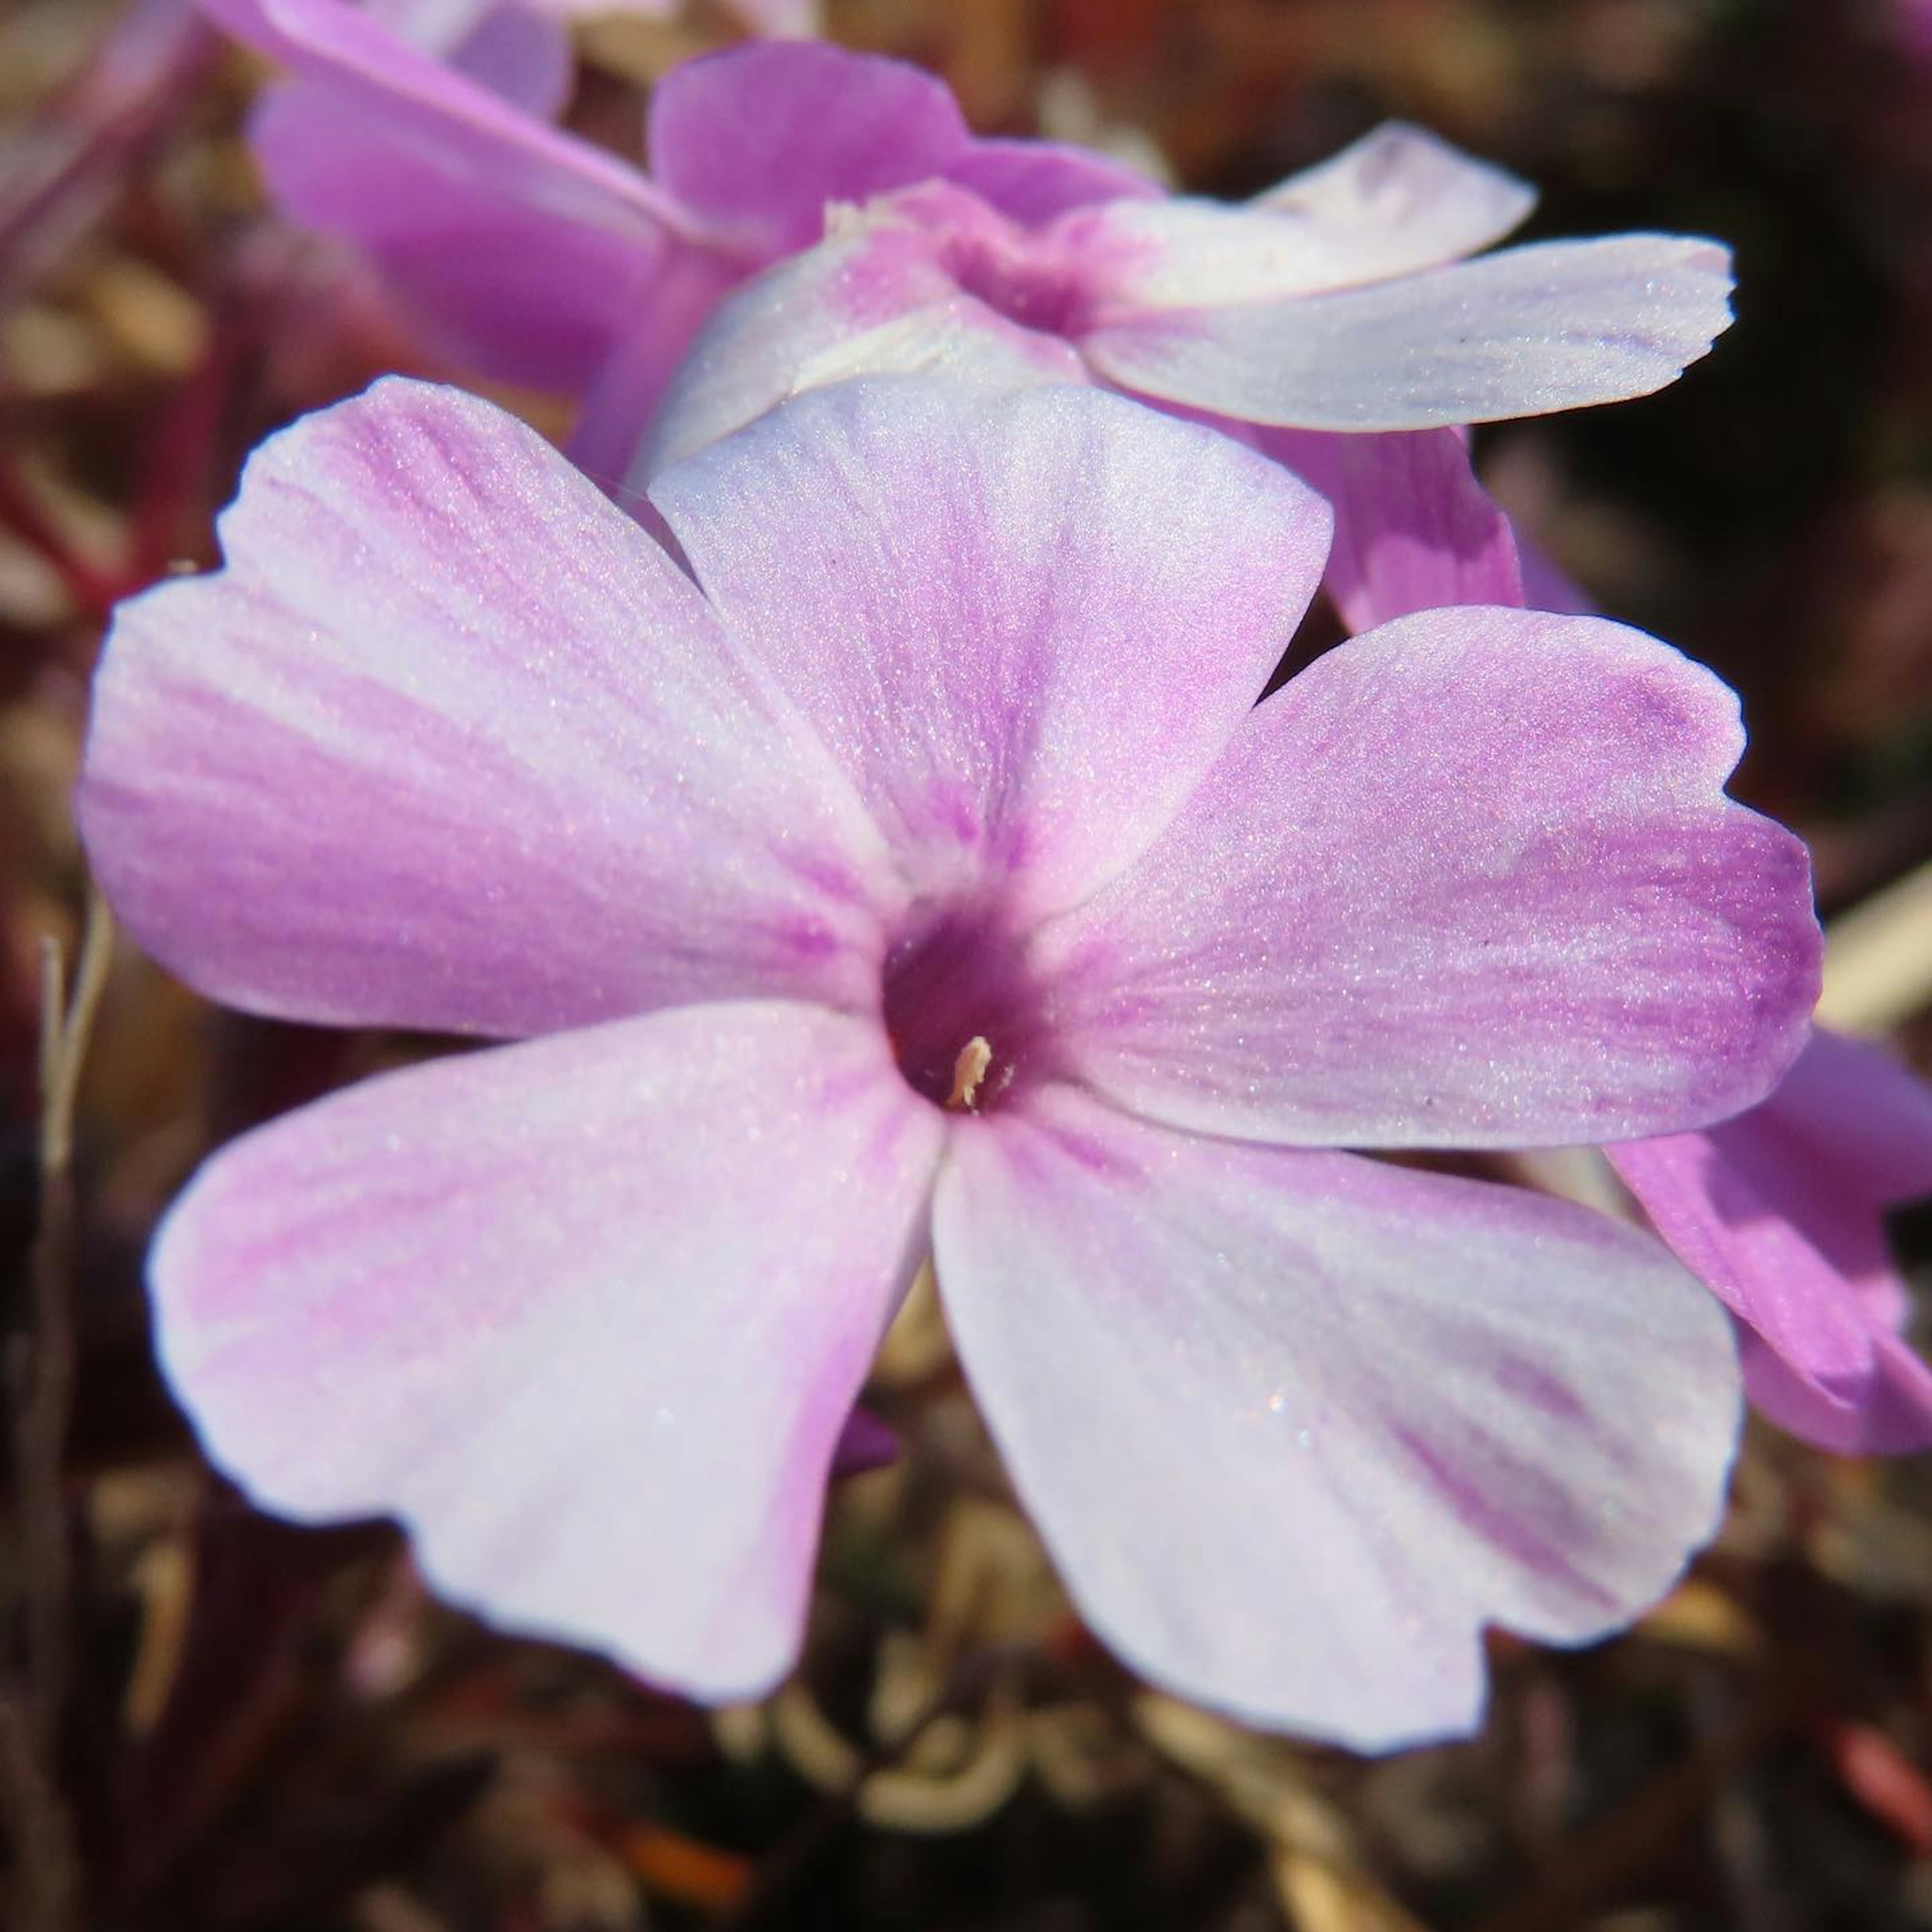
(968,1070)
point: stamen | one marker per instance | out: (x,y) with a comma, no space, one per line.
(968,1070)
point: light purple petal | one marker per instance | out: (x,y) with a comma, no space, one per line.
(875,301)
(758,139)
(1468,880)
(521,250)
(451,744)
(522,55)
(866,1443)
(435,26)
(1025,625)
(1552,326)
(588,1315)
(1398,200)
(1547,586)
(1034,181)
(595,9)
(519,49)
(1296,1426)
(1891,1415)
(1413,529)
(1781,1212)
(607,440)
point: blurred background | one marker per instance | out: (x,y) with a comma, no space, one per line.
(208,1721)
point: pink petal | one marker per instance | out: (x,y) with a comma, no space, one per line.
(588,1315)
(519,49)
(1781,1212)
(1398,200)
(522,55)
(1296,1426)
(598,10)
(628,390)
(1552,326)
(1890,1415)
(522,250)
(1024,625)
(864,1443)
(1547,586)
(1034,181)
(874,302)
(1413,529)
(758,139)
(1470,880)
(451,744)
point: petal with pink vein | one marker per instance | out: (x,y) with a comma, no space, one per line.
(1025,625)
(450,744)
(1296,1426)
(1469,880)
(589,1315)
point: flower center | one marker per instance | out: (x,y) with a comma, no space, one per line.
(1033,277)
(1016,276)
(961,1011)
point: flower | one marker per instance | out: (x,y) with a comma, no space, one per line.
(919,877)
(1781,1211)
(1335,302)
(1338,301)
(529,256)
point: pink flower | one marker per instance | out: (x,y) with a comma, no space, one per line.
(922,877)
(1782,1212)
(1336,302)
(529,256)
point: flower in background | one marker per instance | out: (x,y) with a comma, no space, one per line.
(918,875)
(529,256)
(1782,1212)
(1339,302)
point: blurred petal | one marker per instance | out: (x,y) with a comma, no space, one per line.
(1547,586)
(1025,625)
(589,1315)
(758,139)
(451,744)
(1553,326)
(622,401)
(1470,880)
(1413,529)
(522,55)
(1296,1426)
(493,280)
(519,49)
(874,302)
(521,249)
(1891,1415)
(1781,1211)
(864,1443)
